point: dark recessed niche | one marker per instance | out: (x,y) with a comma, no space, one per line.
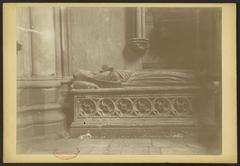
(183,37)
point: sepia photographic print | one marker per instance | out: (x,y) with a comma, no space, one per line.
(126,82)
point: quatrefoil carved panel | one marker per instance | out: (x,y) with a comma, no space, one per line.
(124,105)
(106,105)
(182,105)
(129,106)
(162,105)
(143,105)
(87,107)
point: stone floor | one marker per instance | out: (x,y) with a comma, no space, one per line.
(133,146)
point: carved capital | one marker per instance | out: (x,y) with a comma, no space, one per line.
(139,45)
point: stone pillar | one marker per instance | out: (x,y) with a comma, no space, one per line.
(139,42)
(40,114)
(64,34)
(43,41)
(24,59)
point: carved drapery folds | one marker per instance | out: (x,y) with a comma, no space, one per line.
(139,43)
(133,106)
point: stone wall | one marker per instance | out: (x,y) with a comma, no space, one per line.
(39,75)
(98,36)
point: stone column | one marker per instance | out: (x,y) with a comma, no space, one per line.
(24,59)
(139,42)
(43,41)
(64,33)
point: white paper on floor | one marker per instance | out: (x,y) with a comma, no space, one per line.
(85,136)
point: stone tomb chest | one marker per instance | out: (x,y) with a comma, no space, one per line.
(149,103)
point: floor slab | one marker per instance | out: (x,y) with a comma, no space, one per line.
(128,146)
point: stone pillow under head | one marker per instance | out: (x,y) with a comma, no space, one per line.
(84,85)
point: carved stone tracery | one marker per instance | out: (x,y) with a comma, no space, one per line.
(162,105)
(133,106)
